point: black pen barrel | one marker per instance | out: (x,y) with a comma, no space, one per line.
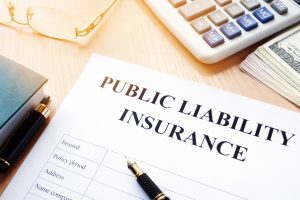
(150,187)
(20,138)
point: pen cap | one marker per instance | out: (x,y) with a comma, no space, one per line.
(18,140)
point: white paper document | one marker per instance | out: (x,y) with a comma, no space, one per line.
(194,141)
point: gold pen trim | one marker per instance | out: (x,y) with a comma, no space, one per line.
(43,109)
(160,196)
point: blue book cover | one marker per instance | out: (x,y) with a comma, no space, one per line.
(18,85)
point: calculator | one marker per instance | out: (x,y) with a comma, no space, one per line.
(215,29)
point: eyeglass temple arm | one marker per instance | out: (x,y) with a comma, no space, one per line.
(95,22)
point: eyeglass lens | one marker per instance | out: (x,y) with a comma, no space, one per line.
(52,22)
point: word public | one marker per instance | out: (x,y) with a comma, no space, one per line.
(195,111)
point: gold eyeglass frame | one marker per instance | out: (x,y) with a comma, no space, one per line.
(78,32)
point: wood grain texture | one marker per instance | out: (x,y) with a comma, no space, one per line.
(132,33)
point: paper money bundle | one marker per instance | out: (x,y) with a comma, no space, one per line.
(277,64)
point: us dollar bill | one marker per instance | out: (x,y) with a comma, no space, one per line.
(277,64)
(282,55)
(257,68)
(285,49)
(288,51)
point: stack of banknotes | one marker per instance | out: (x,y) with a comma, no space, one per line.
(277,64)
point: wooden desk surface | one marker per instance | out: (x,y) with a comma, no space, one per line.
(132,33)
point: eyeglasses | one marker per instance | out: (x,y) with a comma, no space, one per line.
(50,22)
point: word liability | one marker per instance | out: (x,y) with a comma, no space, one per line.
(195,111)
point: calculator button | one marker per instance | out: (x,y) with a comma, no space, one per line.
(297,1)
(177,3)
(230,30)
(247,22)
(201,25)
(223,2)
(213,38)
(279,7)
(218,17)
(196,9)
(263,15)
(250,4)
(234,10)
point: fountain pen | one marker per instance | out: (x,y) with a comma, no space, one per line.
(146,183)
(22,134)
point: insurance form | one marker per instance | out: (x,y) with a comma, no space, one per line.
(194,141)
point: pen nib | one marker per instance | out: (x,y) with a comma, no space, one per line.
(130,162)
(46,100)
(136,170)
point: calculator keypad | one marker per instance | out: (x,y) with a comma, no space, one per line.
(213,38)
(196,9)
(217,17)
(279,7)
(247,22)
(230,30)
(223,2)
(234,10)
(177,3)
(250,4)
(201,25)
(214,19)
(263,15)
